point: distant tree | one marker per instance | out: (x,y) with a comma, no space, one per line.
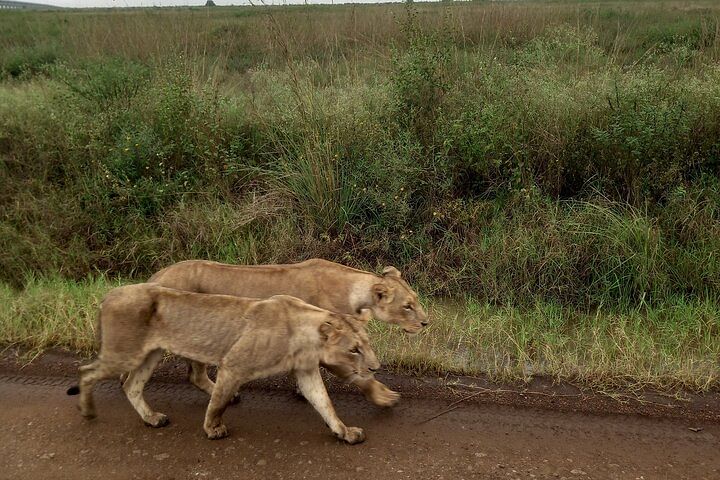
(209,3)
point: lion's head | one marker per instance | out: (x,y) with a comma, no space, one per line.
(346,348)
(395,302)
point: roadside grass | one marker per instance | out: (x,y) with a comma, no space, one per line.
(52,312)
(668,347)
(552,166)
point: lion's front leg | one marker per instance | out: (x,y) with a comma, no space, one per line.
(377,392)
(374,391)
(313,389)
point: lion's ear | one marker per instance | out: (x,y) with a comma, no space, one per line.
(381,293)
(364,315)
(391,271)
(328,331)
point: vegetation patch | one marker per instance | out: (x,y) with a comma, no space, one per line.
(550,168)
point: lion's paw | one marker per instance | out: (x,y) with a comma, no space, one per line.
(157,420)
(217,432)
(88,412)
(384,397)
(353,435)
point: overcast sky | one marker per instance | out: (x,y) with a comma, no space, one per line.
(168,3)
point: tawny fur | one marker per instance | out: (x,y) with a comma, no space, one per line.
(319,282)
(247,338)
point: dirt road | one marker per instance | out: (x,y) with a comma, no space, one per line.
(276,436)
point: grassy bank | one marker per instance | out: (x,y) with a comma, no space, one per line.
(669,346)
(556,162)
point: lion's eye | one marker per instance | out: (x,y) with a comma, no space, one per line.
(355,350)
(408,307)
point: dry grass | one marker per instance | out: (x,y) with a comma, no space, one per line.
(347,32)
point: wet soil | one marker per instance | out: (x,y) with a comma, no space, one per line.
(539,430)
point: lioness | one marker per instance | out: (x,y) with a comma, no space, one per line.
(247,338)
(319,282)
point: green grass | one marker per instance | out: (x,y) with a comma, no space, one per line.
(668,347)
(556,161)
(52,312)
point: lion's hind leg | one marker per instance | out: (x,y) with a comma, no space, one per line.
(89,376)
(134,386)
(226,387)
(199,377)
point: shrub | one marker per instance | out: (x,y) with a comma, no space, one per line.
(26,61)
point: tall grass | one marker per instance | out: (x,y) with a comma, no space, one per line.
(561,155)
(243,36)
(428,150)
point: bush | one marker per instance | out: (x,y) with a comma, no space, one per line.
(25,62)
(547,164)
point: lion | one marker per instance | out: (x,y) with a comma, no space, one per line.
(247,338)
(322,283)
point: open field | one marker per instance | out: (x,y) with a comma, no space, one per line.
(545,173)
